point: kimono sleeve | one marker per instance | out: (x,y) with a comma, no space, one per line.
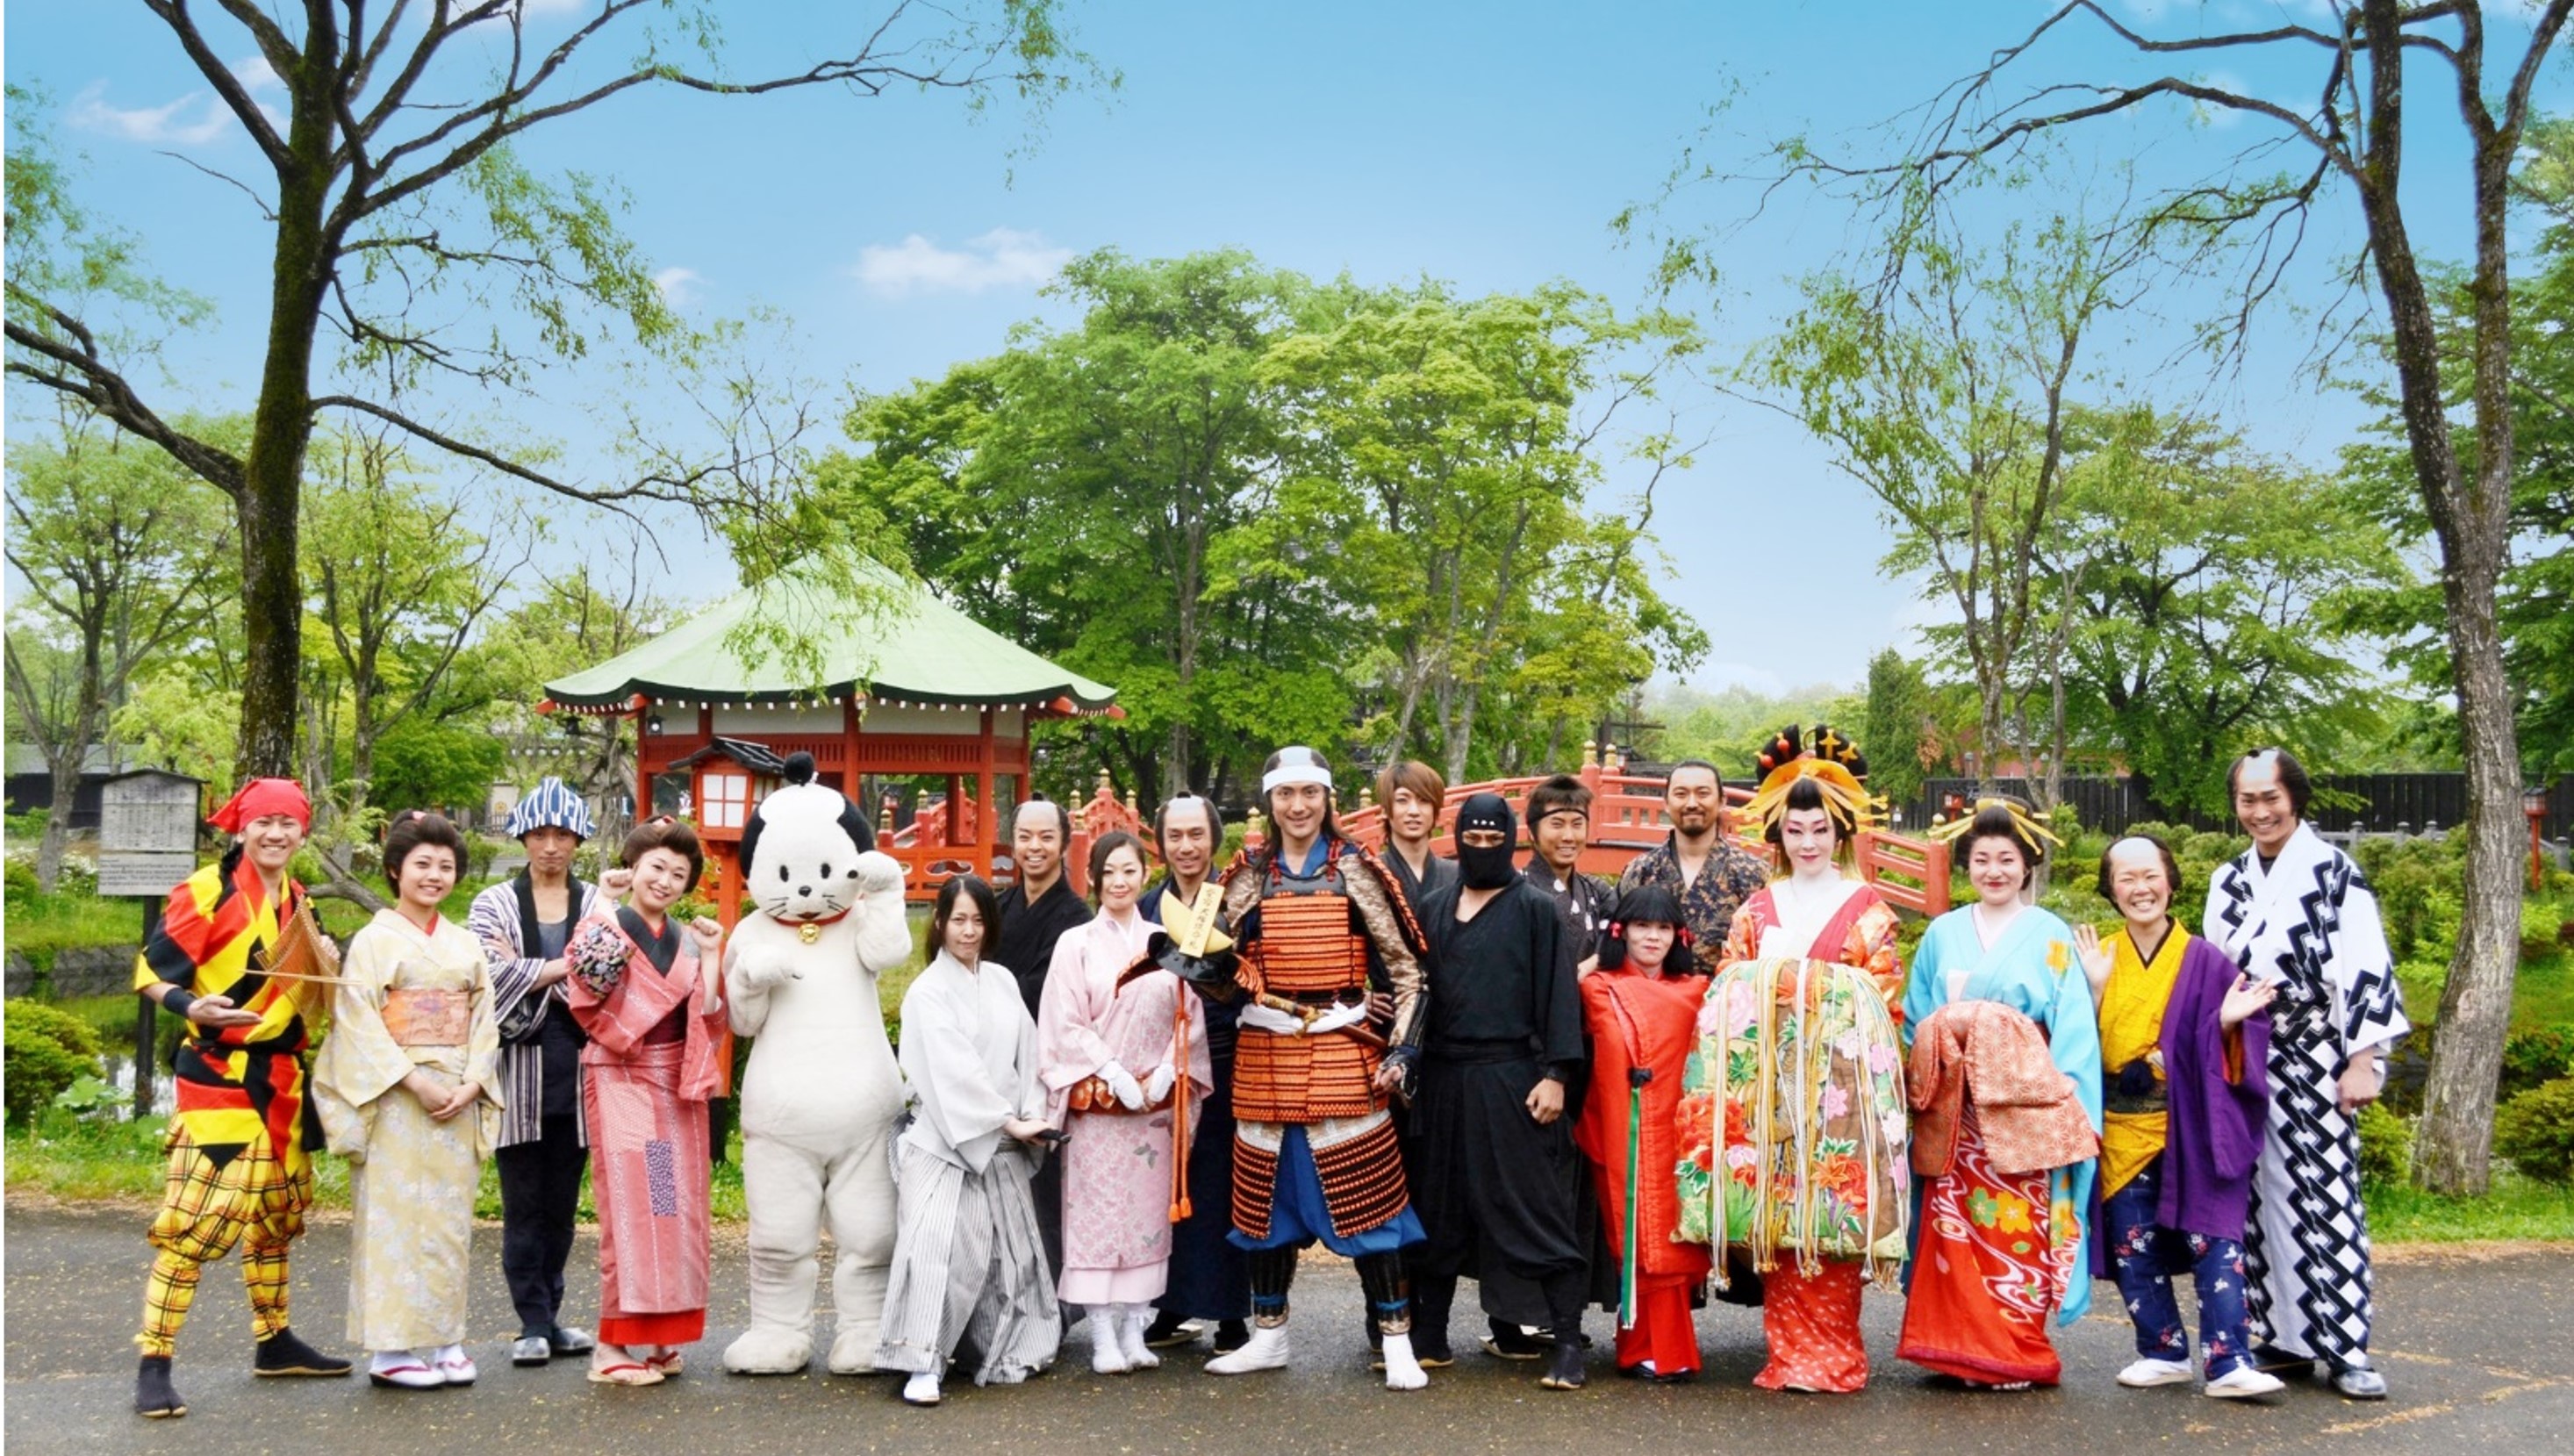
(2073,1028)
(2365,990)
(360,1061)
(1559,999)
(601,1018)
(494,921)
(951,1078)
(1069,1047)
(1921,992)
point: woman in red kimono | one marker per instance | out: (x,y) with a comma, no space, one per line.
(1812,807)
(642,988)
(1641,1009)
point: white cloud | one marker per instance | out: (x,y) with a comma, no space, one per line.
(193,120)
(679,286)
(1001,258)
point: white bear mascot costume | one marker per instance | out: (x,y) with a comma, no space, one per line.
(821,1096)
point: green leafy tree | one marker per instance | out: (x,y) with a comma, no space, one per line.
(1456,442)
(1945,386)
(123,557)
(2353,134)
(400,585)
(1088,493)
(2534,609)
(1901,726)
(399,208)
(2203,582)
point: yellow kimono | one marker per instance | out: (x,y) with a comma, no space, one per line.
(412,1002)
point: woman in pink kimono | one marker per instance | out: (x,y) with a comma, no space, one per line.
(642,988)
(1123,1068)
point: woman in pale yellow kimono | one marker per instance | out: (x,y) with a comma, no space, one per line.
(408,1090)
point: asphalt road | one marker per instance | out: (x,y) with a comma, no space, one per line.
(2480,1350)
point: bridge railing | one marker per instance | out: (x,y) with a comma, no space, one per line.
(1627,820)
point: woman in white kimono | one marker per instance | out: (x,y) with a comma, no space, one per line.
(408,1085)
(967,1260)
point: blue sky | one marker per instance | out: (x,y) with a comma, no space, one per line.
(1488,144)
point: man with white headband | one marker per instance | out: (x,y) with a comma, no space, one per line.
(1318,921)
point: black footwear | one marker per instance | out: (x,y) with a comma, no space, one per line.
(1510,1342)
(284,1354)
(154,1395)
(2281,1363)
(1169,1329)
(1433,1358)
(1563,1372)
(1231,1335)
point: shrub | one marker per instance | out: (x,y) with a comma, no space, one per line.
(2385,1145)
(2541,1054)
(45,1053)
(55,1025)
(2536,1131)
(22,880)
(2542,928)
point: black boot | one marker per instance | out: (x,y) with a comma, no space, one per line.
(283,1354)
(1509,1342)
(1564,1371)
(1231,1335)
(154,1395)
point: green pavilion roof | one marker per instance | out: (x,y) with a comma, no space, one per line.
(917,649)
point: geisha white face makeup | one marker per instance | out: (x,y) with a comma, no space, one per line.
(1649,944)
(1806,836)
(1121,878)
(661,877)
(1996,870)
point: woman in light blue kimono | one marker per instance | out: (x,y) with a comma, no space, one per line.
(2002,1209)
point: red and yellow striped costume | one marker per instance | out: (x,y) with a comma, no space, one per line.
(240,1166)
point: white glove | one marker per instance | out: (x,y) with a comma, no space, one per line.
(1270,1018)
(1158,1085)
(1337,1019)
(1124,1083)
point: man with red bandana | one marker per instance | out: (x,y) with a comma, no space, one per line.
(240,1143)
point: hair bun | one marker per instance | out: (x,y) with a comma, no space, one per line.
(1833,747)
(800,768)
(1781,749)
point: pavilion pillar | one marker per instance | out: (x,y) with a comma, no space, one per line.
(643,766)
(987,824)
(849,752)
(956,834)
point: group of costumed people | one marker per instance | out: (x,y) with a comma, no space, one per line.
(1709,1081)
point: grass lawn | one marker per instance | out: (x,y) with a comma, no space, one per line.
(40,925)
(84,1161)
(2515,1208)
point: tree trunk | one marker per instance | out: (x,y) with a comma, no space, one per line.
(281,429)
(64,768)
(2473,523)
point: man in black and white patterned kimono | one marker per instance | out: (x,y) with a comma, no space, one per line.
(2296,912)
